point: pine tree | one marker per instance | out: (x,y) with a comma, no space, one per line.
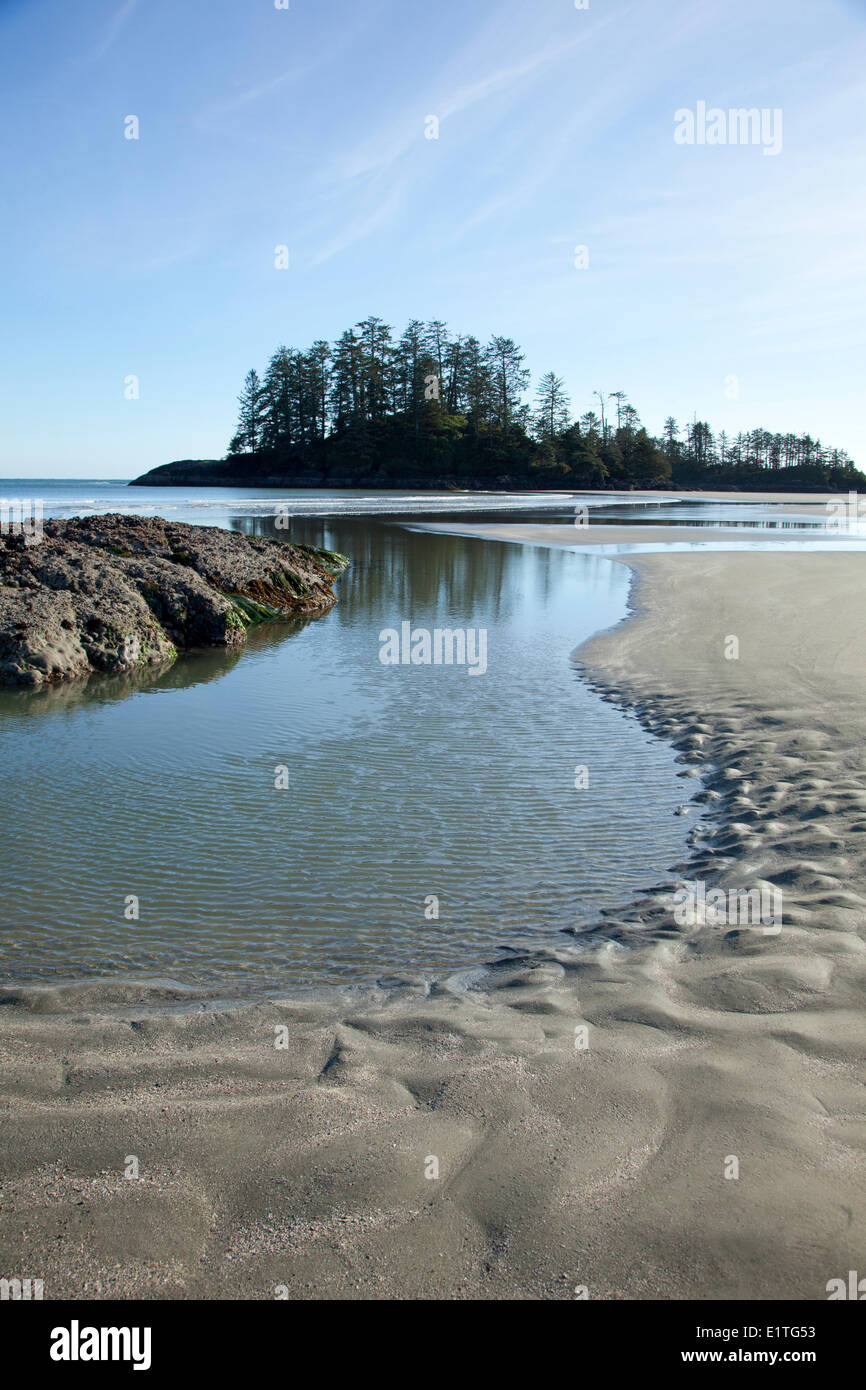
(552,407)
(509,380)
(319,368)
(251,416)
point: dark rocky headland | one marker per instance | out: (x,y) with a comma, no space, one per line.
(514,475)
(115,594)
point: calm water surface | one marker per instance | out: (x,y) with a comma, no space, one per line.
(404,782)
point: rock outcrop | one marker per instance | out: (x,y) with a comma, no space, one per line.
(118,593)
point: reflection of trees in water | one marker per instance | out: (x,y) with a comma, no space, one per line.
(394,575)
(395,572)
(191,668)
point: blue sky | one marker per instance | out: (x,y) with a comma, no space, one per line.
(306,127)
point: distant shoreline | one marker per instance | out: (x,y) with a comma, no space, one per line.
(220,473)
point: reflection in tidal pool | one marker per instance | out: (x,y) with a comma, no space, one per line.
(407,785)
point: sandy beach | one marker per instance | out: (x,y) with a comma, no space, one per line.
(569,1163)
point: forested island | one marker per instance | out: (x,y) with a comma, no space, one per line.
(435,410)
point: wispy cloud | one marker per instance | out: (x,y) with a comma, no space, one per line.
(340,42)
(262,89)
(370,171)
(116,25)
(358,228)
(374,157)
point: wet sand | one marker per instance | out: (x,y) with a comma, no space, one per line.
(560,1167)
(598,534)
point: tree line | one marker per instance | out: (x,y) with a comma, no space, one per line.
(431,408)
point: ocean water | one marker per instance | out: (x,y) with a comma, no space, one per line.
(219,506)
